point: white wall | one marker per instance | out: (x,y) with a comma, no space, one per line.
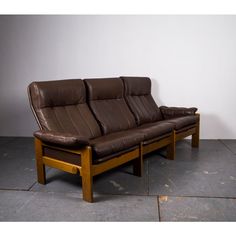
(190,59)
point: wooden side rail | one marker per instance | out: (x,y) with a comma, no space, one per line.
(156,145)
(65,166)
(117,161)
(168,141)
(184,134)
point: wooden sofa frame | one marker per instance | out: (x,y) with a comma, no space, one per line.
(87,169)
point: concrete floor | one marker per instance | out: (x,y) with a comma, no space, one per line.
(200,185)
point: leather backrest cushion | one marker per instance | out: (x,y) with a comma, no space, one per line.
(109,88)
(61,106)
(106,100)
(137,86)
(57,93)
(140,101)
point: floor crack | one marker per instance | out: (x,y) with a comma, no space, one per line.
(159,209)
(32,186)
(226,146)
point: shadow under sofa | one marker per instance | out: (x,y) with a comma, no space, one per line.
(93,125)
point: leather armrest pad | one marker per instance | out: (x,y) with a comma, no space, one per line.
(62,139)
(172,112)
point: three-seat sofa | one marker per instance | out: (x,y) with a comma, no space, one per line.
(93,125)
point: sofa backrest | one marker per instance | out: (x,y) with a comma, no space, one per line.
(60,105)
(106,100)
(140,101)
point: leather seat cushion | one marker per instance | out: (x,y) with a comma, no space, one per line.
(184,121)
(115,142)
(155,130)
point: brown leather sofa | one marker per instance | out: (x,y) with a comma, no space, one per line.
(90,126)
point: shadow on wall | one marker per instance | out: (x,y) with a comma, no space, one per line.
(155,92)
(17,118)
(213,127)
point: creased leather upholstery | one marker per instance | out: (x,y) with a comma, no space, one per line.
(66,119)
(63,139)
(140,101)
(115,142)
(106,100)
(61,106)
(181,122)
(172,112)
(155,130)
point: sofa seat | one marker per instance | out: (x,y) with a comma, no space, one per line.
(184,121)
(115,143)
(155,130)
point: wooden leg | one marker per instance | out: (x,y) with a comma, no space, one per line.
(171,147)
(138,163)
(87,175)
(195,137)
(39,161)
